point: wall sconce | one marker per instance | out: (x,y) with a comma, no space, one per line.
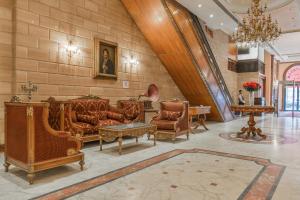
(131,61)
(71,49)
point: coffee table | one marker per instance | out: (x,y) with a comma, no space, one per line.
(138,129)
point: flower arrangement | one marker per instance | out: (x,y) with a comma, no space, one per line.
(251,86)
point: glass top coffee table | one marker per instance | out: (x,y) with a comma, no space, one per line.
(138,129)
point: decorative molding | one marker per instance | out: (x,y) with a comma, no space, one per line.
(30,111)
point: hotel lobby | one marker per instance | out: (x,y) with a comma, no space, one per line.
(150,99)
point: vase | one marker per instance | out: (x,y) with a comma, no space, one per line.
(251,98)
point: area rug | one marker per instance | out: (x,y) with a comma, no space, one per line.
(271,138)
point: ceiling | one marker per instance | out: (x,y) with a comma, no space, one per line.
(226,13)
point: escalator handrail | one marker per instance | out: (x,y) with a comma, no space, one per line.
(214,65)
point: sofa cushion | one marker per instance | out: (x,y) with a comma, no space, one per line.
(90,119)
(85,127)
(164,124)
(108,122)
(170,115)
(115,116)
(131,109)
(102,115)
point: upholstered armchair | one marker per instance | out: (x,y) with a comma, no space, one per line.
(32,145)
(132,109)
(172,119)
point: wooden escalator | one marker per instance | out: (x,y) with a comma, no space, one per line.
(177,38)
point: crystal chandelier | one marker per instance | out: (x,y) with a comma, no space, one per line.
(257,29)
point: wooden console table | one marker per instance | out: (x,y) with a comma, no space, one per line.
(251,123)
(200,112)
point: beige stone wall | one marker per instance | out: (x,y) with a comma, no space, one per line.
(220,47)
(43,27)
(6,57)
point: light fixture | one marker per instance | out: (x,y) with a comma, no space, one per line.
(199,5)
(222,24)
(211,15)
(71,49)
(257,28)
(131,61)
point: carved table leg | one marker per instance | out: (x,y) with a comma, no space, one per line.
(6,166)
(30,177)
(120,145)
(259,132)
(137,139)
(202,122)
(100,141)
(251,129)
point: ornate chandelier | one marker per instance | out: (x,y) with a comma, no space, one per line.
(257,28)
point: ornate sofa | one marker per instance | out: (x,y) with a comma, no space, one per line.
(84,116)
(172,120)
(32,145)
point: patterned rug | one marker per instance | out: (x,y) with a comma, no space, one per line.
(271,138)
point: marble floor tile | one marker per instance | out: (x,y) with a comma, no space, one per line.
(213,178)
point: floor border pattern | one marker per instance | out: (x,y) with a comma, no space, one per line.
(262,186)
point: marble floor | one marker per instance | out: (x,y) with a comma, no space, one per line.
(207,166)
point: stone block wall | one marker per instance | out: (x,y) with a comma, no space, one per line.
(220,46)
(6,57)
(44,27)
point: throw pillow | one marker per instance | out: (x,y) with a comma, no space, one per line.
(116,116)
(102,115)
(88,119)
(170,115)
(131,111)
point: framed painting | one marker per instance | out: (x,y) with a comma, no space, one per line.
(106,59)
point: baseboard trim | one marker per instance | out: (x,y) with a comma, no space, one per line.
(1,148)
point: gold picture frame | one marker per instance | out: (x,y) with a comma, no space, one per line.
(106,59)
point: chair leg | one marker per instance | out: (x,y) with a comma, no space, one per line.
(30,177)
(81,163)
(174,139)
(6,166)
(188,135)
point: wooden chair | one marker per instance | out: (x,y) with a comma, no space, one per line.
(172,120)
(32,145)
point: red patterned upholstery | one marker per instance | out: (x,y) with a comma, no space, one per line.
(80,114)
(115,116)
(83,106)
(90,119)
(133,110)
(170,115)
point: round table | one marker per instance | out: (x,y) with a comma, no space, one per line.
(251,122)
